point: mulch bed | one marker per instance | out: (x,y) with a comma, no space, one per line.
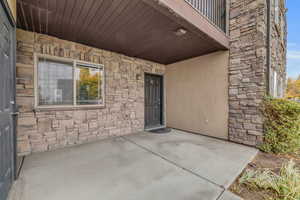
(263,161)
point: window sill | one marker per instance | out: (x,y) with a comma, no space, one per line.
(68,108)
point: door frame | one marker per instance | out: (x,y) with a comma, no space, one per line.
(14,113)
(162,97)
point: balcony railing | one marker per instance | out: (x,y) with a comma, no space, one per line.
(214,10)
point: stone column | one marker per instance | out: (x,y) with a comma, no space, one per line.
(247,67)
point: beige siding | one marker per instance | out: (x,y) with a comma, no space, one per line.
(197,95)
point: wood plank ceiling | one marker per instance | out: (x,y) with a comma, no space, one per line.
(130,27)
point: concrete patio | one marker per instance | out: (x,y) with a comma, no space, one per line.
(142,166)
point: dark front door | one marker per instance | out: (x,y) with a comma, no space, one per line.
(7,101)
(153,101)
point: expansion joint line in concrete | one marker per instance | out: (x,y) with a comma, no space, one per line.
(219,197)
(174,163)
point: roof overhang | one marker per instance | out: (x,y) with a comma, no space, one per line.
(183,13)
(138,28)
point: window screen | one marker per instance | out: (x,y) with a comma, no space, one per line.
(69,83)
(55,82)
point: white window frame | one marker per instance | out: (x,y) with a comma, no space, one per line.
(277,11)
(75,63)
(275,87)
(281,88)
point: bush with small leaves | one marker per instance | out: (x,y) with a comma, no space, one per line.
(282,126)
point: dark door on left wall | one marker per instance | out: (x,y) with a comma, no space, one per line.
(7,100)
(153,101)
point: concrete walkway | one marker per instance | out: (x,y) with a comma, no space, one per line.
(144,166)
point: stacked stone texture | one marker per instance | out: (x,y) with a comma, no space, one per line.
(43,130)
(247,67)
(279,44)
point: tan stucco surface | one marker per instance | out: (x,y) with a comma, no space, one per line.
(13,7)
(197,95)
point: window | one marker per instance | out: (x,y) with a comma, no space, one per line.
(88,85)
(280,88)
(64,82)
(275,84)
(277,9)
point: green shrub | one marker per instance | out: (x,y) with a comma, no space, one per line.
(285,186)
(282,126)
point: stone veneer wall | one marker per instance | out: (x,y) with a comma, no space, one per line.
(51,129)
(248,67)
(279,48)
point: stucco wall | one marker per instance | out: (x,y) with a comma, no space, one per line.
(43,130)
(197,95)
